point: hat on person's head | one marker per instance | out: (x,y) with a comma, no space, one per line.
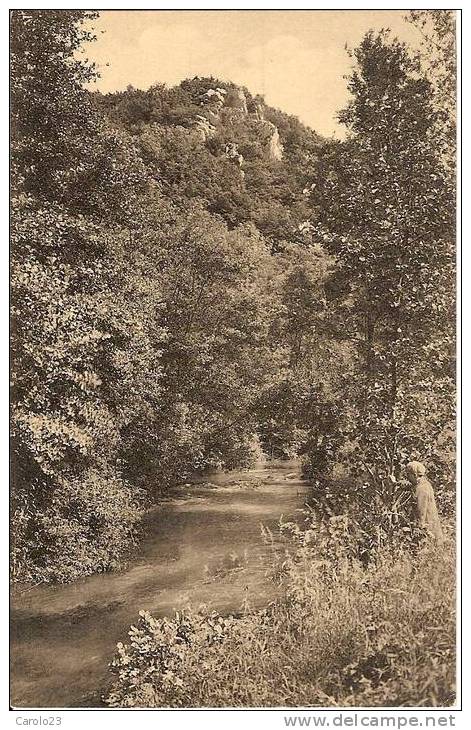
(416,469)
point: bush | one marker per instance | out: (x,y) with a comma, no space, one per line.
(164,656)
(380,513)
(340,635)
(73,528)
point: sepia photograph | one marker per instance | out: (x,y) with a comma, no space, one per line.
(233,359)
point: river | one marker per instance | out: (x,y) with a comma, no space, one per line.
(201,546)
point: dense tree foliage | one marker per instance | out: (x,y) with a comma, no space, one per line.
(384,207)
(142,301)
(438,58)
(71,511)
(202,143)
(192,269)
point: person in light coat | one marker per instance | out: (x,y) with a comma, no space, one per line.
(427,513)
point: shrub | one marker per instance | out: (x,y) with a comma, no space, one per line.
(159,666)
(380,513)
(74,527)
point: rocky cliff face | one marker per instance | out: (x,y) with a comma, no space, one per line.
(224,107)
(275,148)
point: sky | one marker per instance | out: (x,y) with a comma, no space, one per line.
(296,59)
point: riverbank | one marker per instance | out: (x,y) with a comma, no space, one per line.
(201,545)
(341,635)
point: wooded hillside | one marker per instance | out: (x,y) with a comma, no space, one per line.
(196,275)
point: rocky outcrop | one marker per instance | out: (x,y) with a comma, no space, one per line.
(232,153)
(258,112)
(204,127)
(275,148)
(228,106)
(218,94)
(241,101)
(211,102)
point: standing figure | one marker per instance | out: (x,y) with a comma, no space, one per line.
(427,513)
